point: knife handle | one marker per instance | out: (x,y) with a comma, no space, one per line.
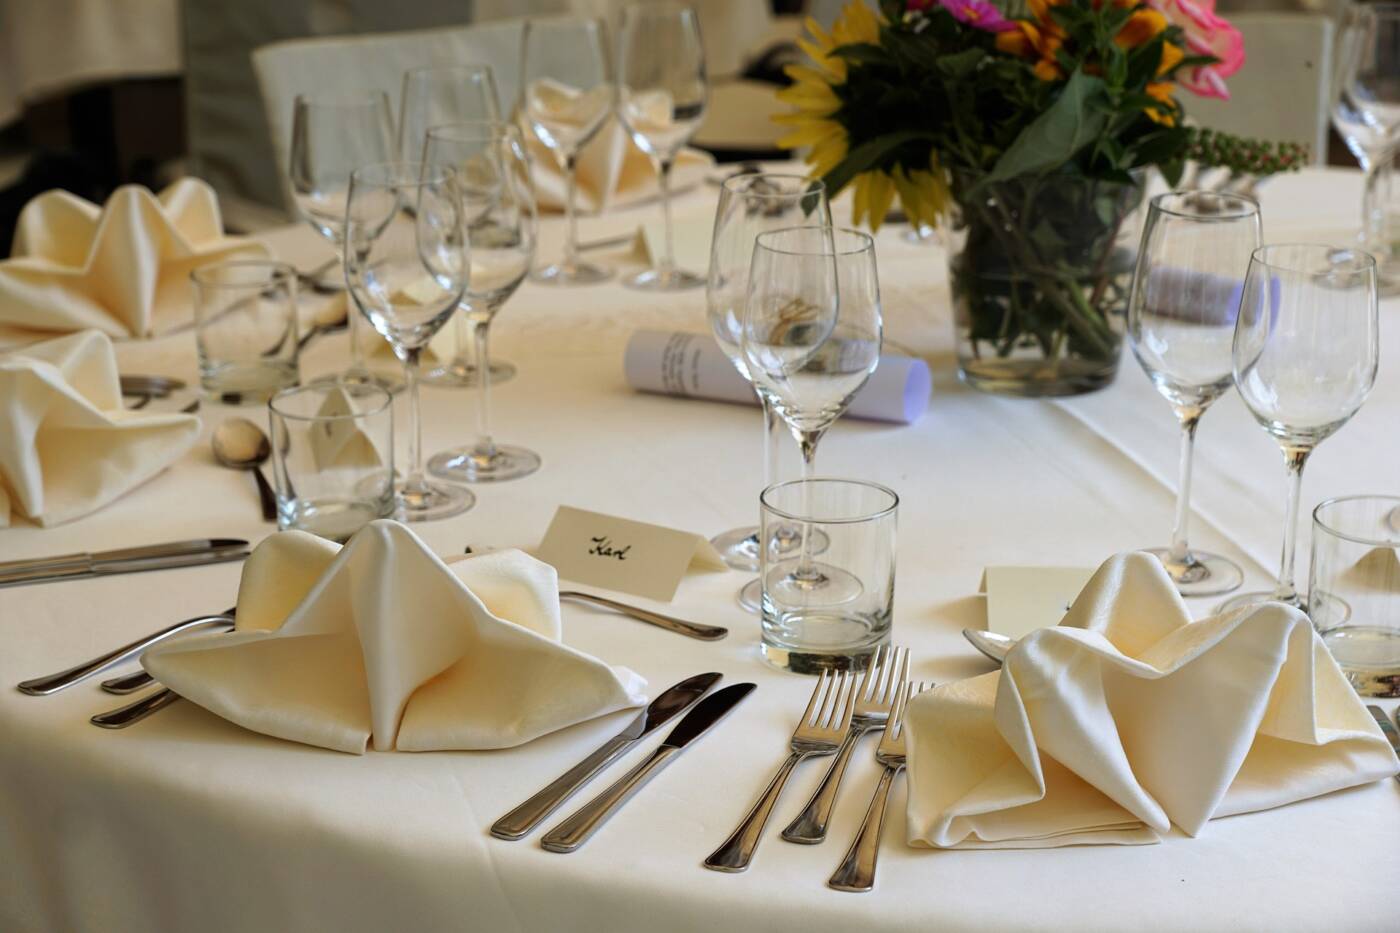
(527,816)
(577,829)
(61,562)
(70,571)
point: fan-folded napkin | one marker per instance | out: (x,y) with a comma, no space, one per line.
(612,172)
(67,447)
(122,268)
(1128,717)
(381,641)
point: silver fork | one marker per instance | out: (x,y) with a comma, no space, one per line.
(857,870)
(824,722)
(888,669)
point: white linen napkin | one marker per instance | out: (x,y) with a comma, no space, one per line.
(122,268)
(382,641)
(67,447)
(1129,717)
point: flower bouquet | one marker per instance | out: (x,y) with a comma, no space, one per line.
(1027,132)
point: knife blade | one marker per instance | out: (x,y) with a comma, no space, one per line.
(578,828)
(517,823)
(84,559)
(218,551)
(1389,730)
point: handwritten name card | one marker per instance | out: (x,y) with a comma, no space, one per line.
(1023,599)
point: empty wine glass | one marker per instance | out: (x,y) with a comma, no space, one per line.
(750,204)
(1181,322)
(435,96)
(811,336)
(661,101)
(331,137)
(1366,112)
(1305,354)
(493,173)
(406,264)
(566,93)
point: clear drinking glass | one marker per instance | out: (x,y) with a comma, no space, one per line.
(1305,354)
(1181,322)
(332,457)
(436,96)
(1366,112)
(245,320)
(749,205)
(493,173)
(566,93)
(858,520)
(406,264)
(661,101)
(1353,589)
(331,137)
(811,335)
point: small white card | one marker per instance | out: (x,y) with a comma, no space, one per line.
(620,554)
(341,442)
(1023,599)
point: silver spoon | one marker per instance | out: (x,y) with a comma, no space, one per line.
(334,317)
(241,445)
(991,644)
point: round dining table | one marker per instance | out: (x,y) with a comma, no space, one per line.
(186,822)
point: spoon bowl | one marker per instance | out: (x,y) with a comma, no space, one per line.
(241,445)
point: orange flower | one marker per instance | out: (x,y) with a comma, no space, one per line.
(1039,40)
(1141,27)
(1165,114)
(1171,54)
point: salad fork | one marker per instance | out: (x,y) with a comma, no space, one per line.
(824,723)
(887,671)
(857,870)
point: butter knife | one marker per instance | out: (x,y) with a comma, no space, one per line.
(518,822)
(1383,721)
(578,828)
(125,560)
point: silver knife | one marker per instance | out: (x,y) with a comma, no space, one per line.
(576,830)
(125,560)
(1383,721)
(518,822)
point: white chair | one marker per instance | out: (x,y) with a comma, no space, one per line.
(1283,91)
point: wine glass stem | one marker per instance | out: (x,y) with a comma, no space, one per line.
(1373,202)
(1295,458)
(415,422)
(772,437)
(570,187)
(463,340)
(808,441)
(663,175)
(484,444)
(1180,554)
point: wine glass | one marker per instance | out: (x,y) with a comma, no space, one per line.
(1366,112)
(811,336)
(406,265)
(1305,354)
(566,93)
(493,173)
(661,101)
(749,205)
(331,137)
(434,96)
(1181,323)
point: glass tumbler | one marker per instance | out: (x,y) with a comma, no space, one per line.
(245,318)
(332,457)
(1354,589)
(810,630)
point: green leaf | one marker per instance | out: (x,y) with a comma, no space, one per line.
(867,156)
(1054,137)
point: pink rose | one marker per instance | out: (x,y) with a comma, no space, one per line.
(1206,34)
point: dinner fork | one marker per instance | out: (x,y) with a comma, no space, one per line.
(823,724)
(888,669)
(857,870)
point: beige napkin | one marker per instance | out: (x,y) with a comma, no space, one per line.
(1128,717)
(122,268)
(67,447)
(380,640)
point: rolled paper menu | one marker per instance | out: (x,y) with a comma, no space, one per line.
(693,366)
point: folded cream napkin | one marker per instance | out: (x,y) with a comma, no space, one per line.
(122,268)
(1129,717)
(380,640)
(67,447)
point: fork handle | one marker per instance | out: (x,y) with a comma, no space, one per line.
(43,686)
(857,870)
(132,713)
(737,851)
(810,826)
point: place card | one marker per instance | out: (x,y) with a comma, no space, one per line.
(1023,599)
(619,554)
(341,442)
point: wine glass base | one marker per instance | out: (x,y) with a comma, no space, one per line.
(738,547)
(430,501)
(471,465)
(815,585)
(462,375)
(664,280)
(1245,600)
(571,273)
(1203,574)
(751,596)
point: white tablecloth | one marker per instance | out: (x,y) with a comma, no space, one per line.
(186,822)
